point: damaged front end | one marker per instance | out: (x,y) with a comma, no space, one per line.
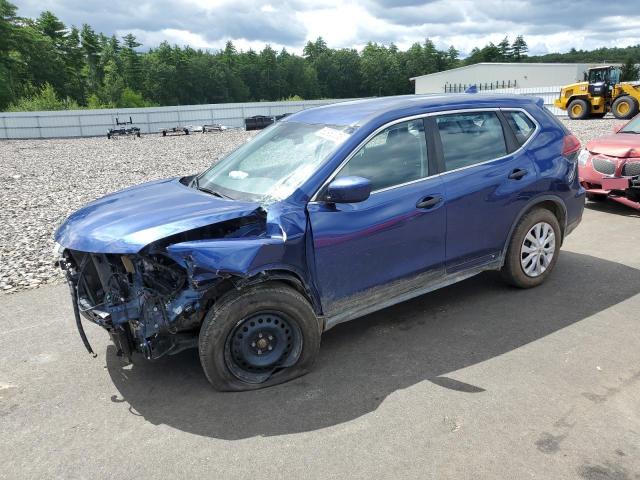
(153,301)
(143,301)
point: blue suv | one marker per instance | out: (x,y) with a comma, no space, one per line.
(328,215)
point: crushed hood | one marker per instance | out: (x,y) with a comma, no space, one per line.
(129,220)
(621,145)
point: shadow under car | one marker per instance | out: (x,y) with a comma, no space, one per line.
(363,361)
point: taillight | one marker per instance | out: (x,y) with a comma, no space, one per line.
(570,146)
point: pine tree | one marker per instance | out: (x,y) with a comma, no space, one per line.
(90,44)
(48,24)
(8,42)
(519,48)
(630,71)
(131,67)
(452,57)
(505,49)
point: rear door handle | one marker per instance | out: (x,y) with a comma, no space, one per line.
(517,174)
(428,202)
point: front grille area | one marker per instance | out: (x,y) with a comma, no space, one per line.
(631,169)
(604,166)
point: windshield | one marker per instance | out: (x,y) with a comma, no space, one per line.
(274,163)
(632,127)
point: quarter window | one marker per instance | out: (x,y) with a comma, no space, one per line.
(470,138)
(521,125)
(394,156)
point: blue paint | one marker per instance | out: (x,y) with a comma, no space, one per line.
(349,190)
(348,255)
(127,221)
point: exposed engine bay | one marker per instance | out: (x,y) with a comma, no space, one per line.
(150,302)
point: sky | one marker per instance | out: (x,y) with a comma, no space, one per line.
(547,25)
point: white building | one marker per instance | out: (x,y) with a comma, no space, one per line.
(501,75)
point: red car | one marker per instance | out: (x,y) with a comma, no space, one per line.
(610,166)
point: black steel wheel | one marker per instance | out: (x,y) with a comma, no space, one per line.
(263,335)
(261,344)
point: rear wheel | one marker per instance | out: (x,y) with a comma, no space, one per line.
(533,249)
(624,107)
(262,336)
(578,109)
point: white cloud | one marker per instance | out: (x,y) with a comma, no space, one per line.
(548,25)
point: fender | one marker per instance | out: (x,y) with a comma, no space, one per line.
(249,261)
(532,203)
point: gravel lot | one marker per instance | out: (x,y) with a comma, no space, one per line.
(43,181)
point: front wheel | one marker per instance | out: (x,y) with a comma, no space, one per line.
(578,109)
(533,250)
(261,336)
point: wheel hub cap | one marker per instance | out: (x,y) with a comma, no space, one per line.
(538,249)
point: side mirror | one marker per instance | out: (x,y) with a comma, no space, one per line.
(617,127)
(348,190)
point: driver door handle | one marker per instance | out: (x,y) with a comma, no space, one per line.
(517,174)
(428,202)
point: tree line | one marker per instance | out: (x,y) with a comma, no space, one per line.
(46,65)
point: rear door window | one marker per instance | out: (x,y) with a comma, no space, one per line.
(522,126)
(470,138)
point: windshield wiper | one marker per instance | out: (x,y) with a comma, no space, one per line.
(196,183)
(212,192)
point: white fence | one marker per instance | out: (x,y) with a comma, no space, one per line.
(548,94)
(88,123)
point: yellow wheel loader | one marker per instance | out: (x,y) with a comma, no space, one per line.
(601,93)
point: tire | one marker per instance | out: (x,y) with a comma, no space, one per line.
(624,107)
(284,321)
(513,271)
(578,109)
(186,131)
(164,133)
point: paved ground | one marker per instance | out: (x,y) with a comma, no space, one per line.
(474,381)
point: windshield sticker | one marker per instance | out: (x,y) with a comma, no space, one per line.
(238,174)
(333,135)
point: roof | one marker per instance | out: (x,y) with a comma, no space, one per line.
(496,64)
(359,112)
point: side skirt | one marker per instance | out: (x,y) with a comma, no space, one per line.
(370,301)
